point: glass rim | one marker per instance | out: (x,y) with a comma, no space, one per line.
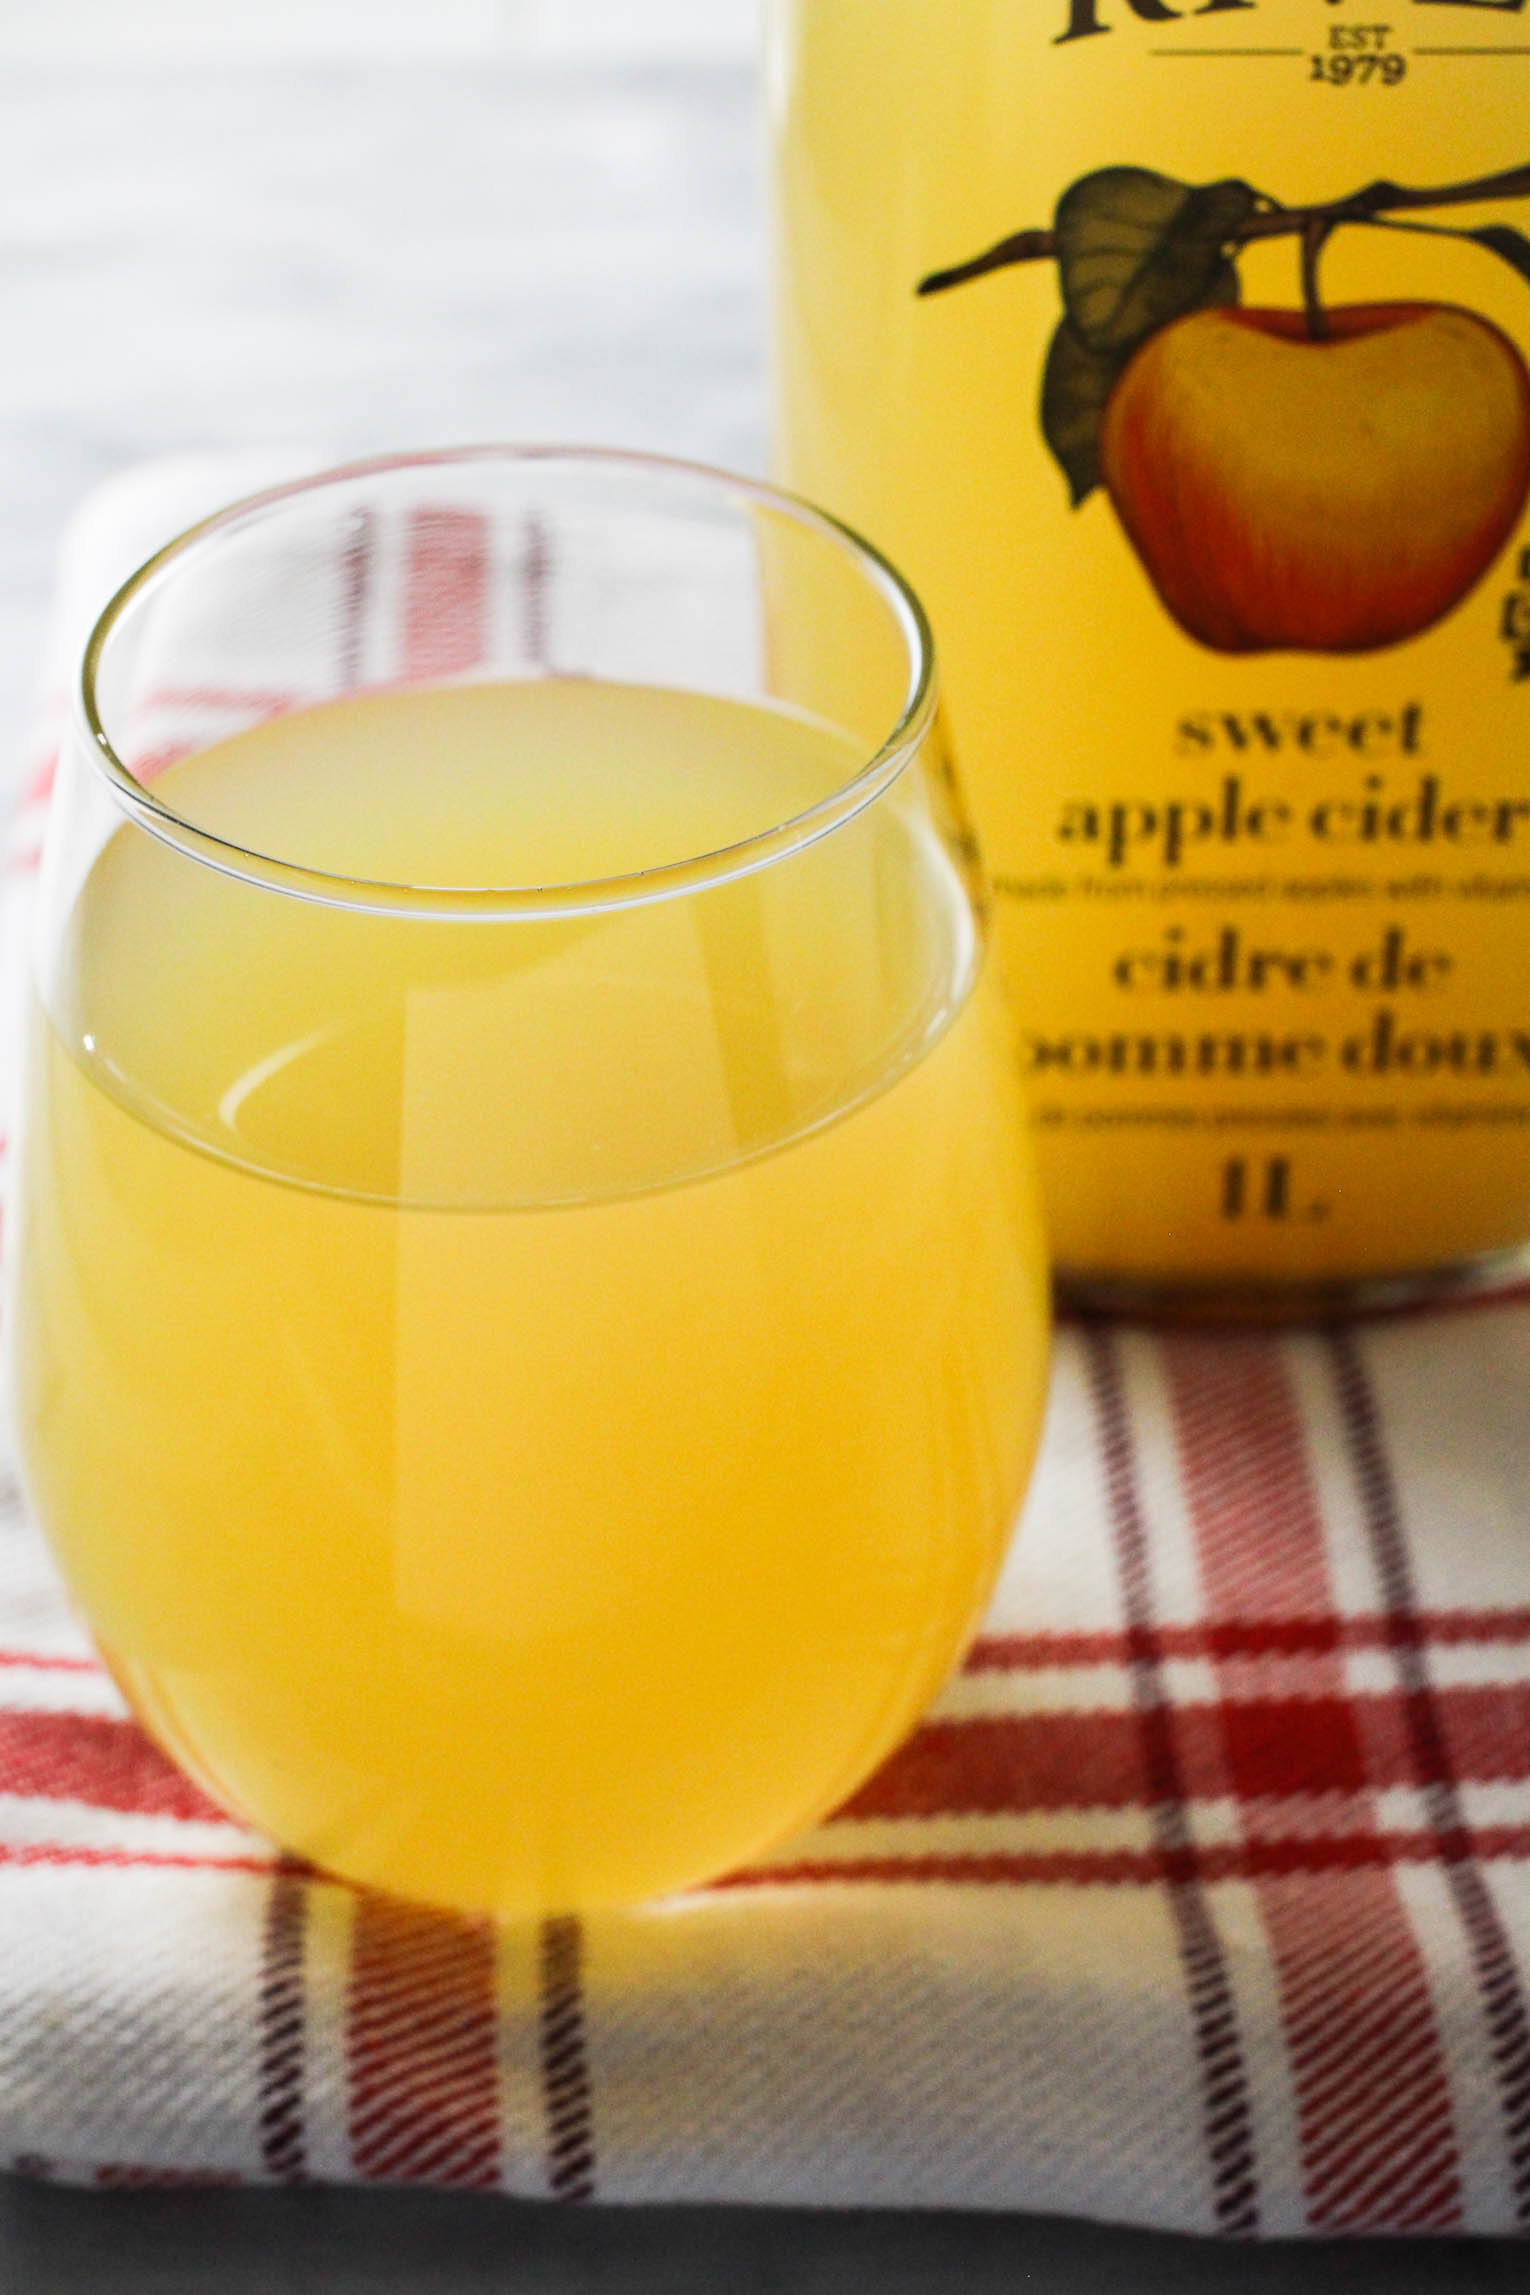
(664,880)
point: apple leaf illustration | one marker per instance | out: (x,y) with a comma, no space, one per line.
(1135,250)
(1081,369)
(1075,384)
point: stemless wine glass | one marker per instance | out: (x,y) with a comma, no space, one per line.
(528,1297)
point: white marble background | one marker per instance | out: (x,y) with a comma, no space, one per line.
(361,224)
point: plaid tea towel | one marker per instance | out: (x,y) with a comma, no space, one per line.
(1201,1900)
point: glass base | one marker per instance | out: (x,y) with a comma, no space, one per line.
(1253,1303)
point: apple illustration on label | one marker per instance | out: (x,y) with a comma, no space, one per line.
(1313,479)
(1387,466)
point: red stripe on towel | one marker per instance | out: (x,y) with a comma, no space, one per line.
(1373,2097)
(99,1760)
(1142,1868)
(446,598)
(422,2047)
(1247,1637)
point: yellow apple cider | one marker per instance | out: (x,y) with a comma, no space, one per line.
(530,1407)
(1179,354)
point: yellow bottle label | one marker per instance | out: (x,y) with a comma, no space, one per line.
(1207,441)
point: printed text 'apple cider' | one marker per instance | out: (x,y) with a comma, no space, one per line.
(1180,355)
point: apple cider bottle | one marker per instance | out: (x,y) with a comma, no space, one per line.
(1177,350)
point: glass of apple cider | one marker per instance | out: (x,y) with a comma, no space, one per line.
(528,1297)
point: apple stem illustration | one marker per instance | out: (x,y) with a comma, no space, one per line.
(1269,220)
(1315,235)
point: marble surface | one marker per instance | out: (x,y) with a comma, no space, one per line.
(204,251)
(362,224)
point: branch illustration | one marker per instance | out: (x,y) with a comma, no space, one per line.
(1269,220)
